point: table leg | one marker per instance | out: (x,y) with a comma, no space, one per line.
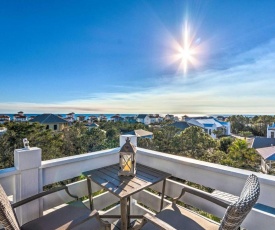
(162,195)
(128,210)
(123,210)
(91,199)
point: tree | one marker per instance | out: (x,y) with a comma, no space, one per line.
(225,143)
(164,139)
(245,134)
(195,142)
(240,156)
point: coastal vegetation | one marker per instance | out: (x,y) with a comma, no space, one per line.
(77,139)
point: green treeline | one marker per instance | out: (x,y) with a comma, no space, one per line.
(73,140)
(77,139)
(195,143)
(255,126)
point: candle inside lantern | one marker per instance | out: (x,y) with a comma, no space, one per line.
(127,164)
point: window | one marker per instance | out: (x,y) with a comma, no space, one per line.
(272,134)
(47,127)
(210,132)
(55,127)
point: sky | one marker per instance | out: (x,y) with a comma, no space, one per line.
(137,56)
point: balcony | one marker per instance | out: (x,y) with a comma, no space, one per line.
(28,177)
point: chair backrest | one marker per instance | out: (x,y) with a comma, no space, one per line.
(7,217)
(236,212)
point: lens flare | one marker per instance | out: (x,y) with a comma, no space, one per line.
(185,52)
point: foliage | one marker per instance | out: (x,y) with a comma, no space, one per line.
(256,125)
(240,156)
(77,139)
(245,134)
(195,142)
(224,143)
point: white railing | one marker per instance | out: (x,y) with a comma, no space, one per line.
(223,178)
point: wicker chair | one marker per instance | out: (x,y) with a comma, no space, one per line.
(176,217)
(73,216)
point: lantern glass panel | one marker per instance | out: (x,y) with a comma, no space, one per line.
(126,163)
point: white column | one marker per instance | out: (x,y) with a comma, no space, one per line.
(28,183)
(122,140)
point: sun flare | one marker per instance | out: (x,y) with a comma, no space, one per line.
(185,52)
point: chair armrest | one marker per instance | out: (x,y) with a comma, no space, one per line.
(156,221)
(39,195)
(82,219)
(204,195)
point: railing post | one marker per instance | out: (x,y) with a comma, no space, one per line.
(28,183)
(122,139)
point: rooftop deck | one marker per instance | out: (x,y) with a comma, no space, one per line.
(29,176)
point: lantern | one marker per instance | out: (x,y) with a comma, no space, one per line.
(127,159)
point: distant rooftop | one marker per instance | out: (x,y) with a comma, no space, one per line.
(140,133)
(262,142)
(47,118)
(180,125)
(267,153)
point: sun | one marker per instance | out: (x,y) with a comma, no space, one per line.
(186,56)
(185,52)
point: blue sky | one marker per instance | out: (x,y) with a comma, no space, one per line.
(121,56)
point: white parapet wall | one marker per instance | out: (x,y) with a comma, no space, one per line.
(224,178)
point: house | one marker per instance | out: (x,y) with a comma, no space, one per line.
(116,118)
(262,142)
(4,118)
(209,124)
(20,117)
(80,118)
(270,131)
(70,117)
(102,117)
(51,121)
(92,119)
(141,133)
(221,118)
(21,113)
(182,125)
(267,158)
(159,119)
(183,118)
(169,117)
(153,119)
(143,118)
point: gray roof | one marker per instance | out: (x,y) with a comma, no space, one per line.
(48,118)
(142,116)
(267,153)
(140,133)
(182,125)
(262,142)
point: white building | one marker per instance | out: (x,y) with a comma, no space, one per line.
(70,117)
(4,118)
(270,133)
(20,117)
(211,124)
(143,118)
